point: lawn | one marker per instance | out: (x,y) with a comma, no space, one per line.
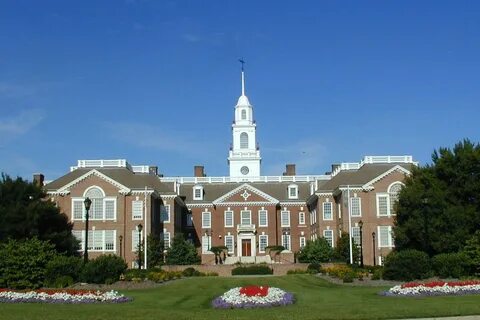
(316,299)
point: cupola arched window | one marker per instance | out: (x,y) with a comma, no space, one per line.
(244,114)
(244,140)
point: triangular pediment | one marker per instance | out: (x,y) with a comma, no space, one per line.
(245,194)
(66,188)
(397,168)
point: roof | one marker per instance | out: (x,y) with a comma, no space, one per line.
(277,190)
(359,177)
(123,176)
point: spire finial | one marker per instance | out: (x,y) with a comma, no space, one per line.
(243,76)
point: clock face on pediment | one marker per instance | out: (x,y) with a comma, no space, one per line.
(244,170)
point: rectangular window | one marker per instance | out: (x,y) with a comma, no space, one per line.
(189,220)
(301,218)
(302,242)
(166,240)
(246,217)
(206,220)
(206,243)
(96,209)
(285,218)
(262,218)
(165,213)
(328,235)
(110,240)
(110,212)
(385,236)
(228,218)
(137,210)
(229,243)
(355,208)
(327,211)
(286,241)
(98,240)
(262,243)
(77,209)
(356,235)
(382,205)
(293,192)
(197,193)
(135,239)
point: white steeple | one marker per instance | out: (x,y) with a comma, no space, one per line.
(244,157)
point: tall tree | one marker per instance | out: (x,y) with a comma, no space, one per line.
(439,208)
(25,213)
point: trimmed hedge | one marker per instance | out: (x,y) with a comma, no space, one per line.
(450,265)
(62,271)
(252,270)
(104,269)
(407,265)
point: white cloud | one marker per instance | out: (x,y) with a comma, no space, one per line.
(19,124)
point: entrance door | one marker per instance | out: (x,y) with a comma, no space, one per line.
(246,247)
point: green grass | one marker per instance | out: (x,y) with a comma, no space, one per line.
(316,299)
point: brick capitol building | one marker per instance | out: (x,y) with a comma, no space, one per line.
(245,211)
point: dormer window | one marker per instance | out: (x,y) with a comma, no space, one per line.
(197,193)
(293,191)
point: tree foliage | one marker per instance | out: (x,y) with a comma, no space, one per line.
(155,249)
(439,208)
(181,252)
(342,250)
(316,251)
(24,213)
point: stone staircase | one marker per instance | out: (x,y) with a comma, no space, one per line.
(257,259)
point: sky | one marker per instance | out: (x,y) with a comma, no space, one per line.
(155,82)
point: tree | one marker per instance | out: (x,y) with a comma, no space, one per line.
(181,252)
(155,249)
(439,207)
(25,213)
(342,250)
(472,251)
(316,251)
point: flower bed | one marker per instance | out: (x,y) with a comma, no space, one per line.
(435,288)
(253,297)
(62,296)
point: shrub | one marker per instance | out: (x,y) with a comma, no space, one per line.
(342,249)
(296,271)
(182,252)
(472,252)
(377,274)
(209,274)
(255,269)
(104,268)
(407,265)
(348,277)
(23,263)
(62,271)
(136,274)
(314,268)
(450,265)
(339,271)
(316,251)
(191,272)
(158,276)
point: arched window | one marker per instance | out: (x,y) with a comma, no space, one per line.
(96,209)
(244,114)
(244,140)
(393,192)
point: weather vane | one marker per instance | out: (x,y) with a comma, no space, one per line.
(242,62)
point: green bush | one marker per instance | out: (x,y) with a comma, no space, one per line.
(62,271)
(316,251)
(191,272)
(181,252)
(314,268)
(407,265)
(23,263)
(136,274)
(255,269)
(348,277)
(104,268)
(377,274)
(472,252)
(450,265)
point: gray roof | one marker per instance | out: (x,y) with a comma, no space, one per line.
(359,177)
(278,190)
(122,175)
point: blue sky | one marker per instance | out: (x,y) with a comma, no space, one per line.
(155,82)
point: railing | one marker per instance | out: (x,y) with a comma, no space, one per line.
(245,228)
(372,160)
(200,180)
(116,163)
(141,169)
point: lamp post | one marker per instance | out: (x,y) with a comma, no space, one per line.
(373,240)
(360,224)
(139,229)
(120,237)
(87,202)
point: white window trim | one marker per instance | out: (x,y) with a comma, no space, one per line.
(209,218)
(290,188)
(359,206)
(259,247)
(201,193)
(266,218)
(289,242)
(165,233)
(281,218)
(302,239)
(233,243)
(77,199)
(209,243)
(333,237)
(81,238)
(168,213)
(90,216)
(383,194)
(331,210)
(390,237)
(301,218)
(249,214)
(136,218)
(135,239)
(225,219)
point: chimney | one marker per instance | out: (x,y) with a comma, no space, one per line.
(153,170)
(198,171)
(38,179)
(290,170)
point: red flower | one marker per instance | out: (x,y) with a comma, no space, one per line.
(254,291)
